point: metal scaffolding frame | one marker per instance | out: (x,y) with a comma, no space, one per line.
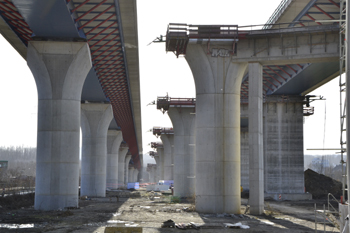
(342,89)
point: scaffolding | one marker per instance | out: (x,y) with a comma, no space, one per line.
(342,88)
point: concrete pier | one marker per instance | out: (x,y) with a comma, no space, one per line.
(218,83)
(157,175)
(95,120)
(126,169)
(59,69)
(183,119)
(160,152)
(114,138)
(256,152)
(135,176)
(282,148)
(168,163)
(121,165)
(131,175)
(152,171)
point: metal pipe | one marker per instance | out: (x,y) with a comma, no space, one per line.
(200,41)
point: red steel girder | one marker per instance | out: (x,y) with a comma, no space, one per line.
(276,73)
(104,38)
(268,87)
(283,71)
(291,68)
(117,50)
(113,39)
(82,4)
(15,15)
(334,3)
(318,8)
(270,82)
(93,29)
(110,64)
(312,18)
(272,78)
(80,17)
(102,31)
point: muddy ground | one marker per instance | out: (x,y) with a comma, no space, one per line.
(95,214)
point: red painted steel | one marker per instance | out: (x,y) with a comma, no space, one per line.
(272,77)
(313,19)
(97,26)
(276,73)
(317,7)
(82,4)
(283,71)
(83,15)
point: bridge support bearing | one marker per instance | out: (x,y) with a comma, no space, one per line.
(256,148)
(114,138)
(218,82)
(168,158)
(121,165)
(95,120)
(183,121)
(59,69)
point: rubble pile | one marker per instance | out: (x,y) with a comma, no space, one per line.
(320,185)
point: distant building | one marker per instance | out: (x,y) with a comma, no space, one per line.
(3,165)
(320,162)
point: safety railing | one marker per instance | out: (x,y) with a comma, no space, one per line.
(330,206)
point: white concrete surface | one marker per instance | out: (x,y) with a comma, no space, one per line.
(160,152)
(218,83)
(59,69)
(95,120)
(183,119)
(114,138)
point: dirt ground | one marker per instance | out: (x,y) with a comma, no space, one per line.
(97,214)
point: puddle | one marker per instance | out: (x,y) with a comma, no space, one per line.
(16,226)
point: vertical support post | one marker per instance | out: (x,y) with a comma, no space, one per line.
(347,70)
(256,152)
(59,69)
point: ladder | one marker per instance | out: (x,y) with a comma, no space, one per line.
(342,88)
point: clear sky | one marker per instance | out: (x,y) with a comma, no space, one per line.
(160,73)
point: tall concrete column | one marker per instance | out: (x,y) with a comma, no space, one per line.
(126,169)
(157,176)
(59,69)
(256,149)
(121,165)
(95,120)
(160,152)
(183,120)
(136,173)
(168,144)
(131,175)
(218,83)
(114,138)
